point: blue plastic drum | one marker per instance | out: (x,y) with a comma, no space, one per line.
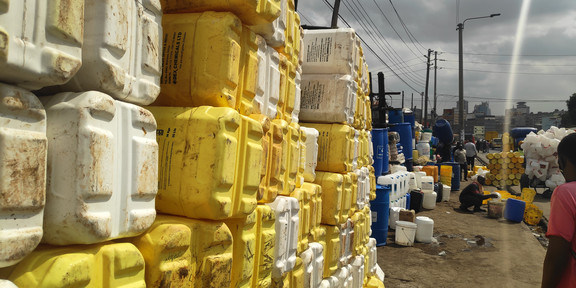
(455,184)
(380,212)
(380,146)
(443,131)
(410,118)
(405,132)
(395,116)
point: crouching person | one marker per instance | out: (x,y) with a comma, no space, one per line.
(473,195)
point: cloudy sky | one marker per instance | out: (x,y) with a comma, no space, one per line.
(545,74)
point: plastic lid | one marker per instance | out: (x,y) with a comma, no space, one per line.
(424,219)
(386,180)
(406,224)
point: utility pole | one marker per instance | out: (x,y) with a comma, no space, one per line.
(422,108)
(435,72)
(412,101)
(335,14)
(426,91)
(402,98)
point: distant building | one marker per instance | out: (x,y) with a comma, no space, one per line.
(519,116)
(482,109)
(448,114)
(549,119)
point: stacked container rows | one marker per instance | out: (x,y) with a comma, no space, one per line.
(220,154)
(335,102)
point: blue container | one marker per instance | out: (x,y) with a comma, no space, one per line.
(443,131)
(405,132)
(455,184)
(519,134)
(395,116)
(410,118)
(514,210)
(380,145)
(408,199)
(380,212)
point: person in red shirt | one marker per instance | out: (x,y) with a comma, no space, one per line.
(473,195)
(560,262)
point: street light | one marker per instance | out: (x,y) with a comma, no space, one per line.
(461,72)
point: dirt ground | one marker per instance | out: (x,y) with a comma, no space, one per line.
(471,250)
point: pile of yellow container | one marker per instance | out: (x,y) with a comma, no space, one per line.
(238,201)
(506,168)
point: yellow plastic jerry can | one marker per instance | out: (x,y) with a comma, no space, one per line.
(210,161)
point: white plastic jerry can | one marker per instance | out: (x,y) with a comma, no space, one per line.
(346,241)
(121,51)
(372,257)
(311,159)
(268,81)
(23,152)
(330,51)
(274,32)
(328,98)
(313,263)
(286,210)
(102,169)
(344,275)
(41,42)
(358,271)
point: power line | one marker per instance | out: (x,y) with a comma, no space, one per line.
(306,18)
(510,55)
(519,64)
(520,73)
(372,50)
(405,27)
(503,100)
(368,25)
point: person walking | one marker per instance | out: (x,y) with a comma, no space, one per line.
(560,261)
(460,158)
(471,153)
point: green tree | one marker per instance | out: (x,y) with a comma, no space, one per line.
(569,118)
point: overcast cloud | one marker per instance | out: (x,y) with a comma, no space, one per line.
(549,48)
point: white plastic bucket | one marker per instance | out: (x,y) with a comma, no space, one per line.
(268,81)
(425,229)
(429,201)
(405,233)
